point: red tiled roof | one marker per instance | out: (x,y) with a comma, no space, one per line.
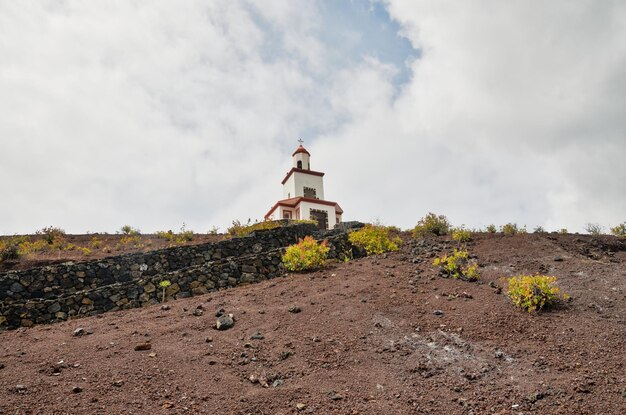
(300,149)
(295,201)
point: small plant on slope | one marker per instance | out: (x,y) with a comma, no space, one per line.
(164,284)
(374,239)
(307,254)
(431,224)
(534,292)
(8,251)
(512,229)
(594,229)
(129,230)
(491,228)
(461,234)
(619,230)
(52,235)
(457,266)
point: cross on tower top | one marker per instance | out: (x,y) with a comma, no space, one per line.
(300,141)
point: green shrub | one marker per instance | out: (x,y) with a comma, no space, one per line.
(134,240)
(52,234)
(95,242)
(305,255)
(167,235)
(129,230)
(538,229)
(240,229)
(457,266)
(185,235)
(491,228)
(619,230)
(461,234)
(594,229)
(431,224)
(511,229)
(8,251)
(563,231)
(534,292)
(374,239)
(26,247)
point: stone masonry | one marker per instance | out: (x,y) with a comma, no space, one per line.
(54,293)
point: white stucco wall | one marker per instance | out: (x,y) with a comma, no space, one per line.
(305,212)
(303,180)
(304,158)
(289,188)
(294,186)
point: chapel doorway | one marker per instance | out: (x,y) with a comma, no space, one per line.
(321,216)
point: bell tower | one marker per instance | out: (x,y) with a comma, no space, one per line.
(301,158)
(303,194)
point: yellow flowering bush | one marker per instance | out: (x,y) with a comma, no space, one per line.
(305,255)
(619,230)
(461,234)
(8,251)
(431,224)
(374,239)
(534,292)
(458,266)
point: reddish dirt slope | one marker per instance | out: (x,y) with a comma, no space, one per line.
(366,341)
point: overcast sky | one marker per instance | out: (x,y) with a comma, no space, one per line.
(154,113)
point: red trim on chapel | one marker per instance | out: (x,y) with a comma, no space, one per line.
(297,170)
(295,201)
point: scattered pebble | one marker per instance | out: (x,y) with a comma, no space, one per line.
(118,383)
(143,346)
(198,312)
(300,406)
(152,354)
(438,313)
(77,389)
(257,336)
(165,307)
(294,309)
(80,332)
(224,322)
(334,396)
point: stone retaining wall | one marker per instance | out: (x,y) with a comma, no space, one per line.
(129,283)
(58,280)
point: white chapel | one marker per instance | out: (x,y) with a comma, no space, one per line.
(303,195)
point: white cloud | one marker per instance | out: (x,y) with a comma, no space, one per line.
(512,114)
(150,114)
(143,113)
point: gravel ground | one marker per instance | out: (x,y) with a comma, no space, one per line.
(379,335)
